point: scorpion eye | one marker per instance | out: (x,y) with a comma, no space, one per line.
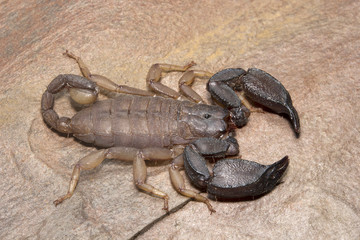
(207,116)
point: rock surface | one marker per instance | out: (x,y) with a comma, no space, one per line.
(312,47)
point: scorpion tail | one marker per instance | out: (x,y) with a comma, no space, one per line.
(81,90)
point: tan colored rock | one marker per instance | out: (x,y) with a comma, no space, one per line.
(312,47)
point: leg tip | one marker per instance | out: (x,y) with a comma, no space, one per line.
(60,200)
(69,54)
(190,64)
(166,209)
(57,202)
(211,209)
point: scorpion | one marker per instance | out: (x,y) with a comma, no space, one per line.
(166,125)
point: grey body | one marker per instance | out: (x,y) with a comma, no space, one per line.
(140,121)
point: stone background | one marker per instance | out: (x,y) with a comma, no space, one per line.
(311,46)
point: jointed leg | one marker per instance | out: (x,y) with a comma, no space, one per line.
(139,156)
(104,82)
(154,75)
(88,162)
(139,169)
(179,184)
(186,81)
(153,79)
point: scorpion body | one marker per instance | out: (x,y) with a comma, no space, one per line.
(138,126)
(141,121)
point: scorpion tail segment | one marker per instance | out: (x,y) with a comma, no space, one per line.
(81,90)
(51,117)
(266,90)
(237,178)
(221,87)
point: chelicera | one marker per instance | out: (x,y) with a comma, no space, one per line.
(156,125)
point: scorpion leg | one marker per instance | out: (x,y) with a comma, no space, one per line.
(104,82)
(186,81)
(138,156)
(86,163)
(140,176)
(154,76)
(179,183)
(259,86)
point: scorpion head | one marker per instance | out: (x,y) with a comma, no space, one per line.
(202,120)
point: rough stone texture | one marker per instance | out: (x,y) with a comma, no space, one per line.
(311,46)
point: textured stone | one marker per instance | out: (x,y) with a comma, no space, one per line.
(312,47)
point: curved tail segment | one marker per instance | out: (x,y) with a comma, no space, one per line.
(81,90)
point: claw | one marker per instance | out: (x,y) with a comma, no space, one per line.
(237,178)
(259,86)
(266,90)
(231,178)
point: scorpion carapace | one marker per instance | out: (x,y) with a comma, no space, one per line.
(138,126)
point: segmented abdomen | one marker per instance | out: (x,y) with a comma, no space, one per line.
(128,120)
